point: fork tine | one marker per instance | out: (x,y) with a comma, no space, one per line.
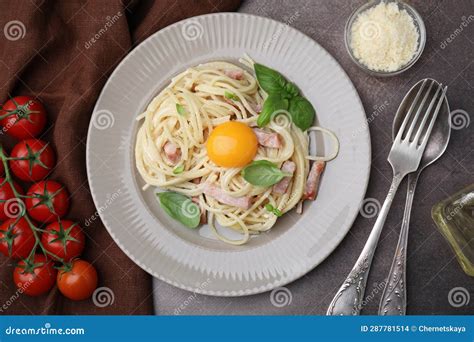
(418,112)
(433,119)
(427,113)
(410,111)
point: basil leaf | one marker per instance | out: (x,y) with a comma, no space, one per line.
(292,90)
(263,173)
(272,104)
(180,109)
(181,208)
(178,169)
(275,211)
(279,91)
(231,96)
(270,80)
(302,112)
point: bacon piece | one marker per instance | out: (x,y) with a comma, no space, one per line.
(203,217)
(267,139)
(217,193)
(234,74)
(196,180)
(312,183)
(282,186)
(172,152)
(205,133)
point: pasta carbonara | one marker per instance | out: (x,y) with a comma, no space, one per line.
(173,149)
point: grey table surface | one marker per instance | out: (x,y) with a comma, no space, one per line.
(432,268)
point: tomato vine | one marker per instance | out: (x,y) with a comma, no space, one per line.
(34,228)
(46,247)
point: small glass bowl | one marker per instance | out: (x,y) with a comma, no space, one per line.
(418,21)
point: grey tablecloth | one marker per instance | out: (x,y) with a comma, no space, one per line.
(432,269)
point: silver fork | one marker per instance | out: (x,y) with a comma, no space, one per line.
(404,157)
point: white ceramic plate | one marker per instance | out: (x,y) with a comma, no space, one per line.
(184,257)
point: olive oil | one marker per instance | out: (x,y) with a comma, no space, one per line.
(454,217)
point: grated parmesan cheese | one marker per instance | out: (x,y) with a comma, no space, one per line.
(384,38)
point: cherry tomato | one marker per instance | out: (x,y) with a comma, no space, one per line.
(23,117)
(35,159)
(9,207)
(16,238)
(47,201)
(78,281)
(65,239)
(2,168)
(35,277)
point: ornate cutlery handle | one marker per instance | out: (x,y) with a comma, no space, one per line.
(394,297)
(348,300)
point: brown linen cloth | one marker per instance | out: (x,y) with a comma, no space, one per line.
(62,52)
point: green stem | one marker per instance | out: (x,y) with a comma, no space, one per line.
(33,228)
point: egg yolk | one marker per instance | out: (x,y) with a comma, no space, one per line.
(232,144)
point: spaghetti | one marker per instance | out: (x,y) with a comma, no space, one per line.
(171,151)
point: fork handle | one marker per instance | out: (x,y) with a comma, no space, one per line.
(348,300)
(394,296)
